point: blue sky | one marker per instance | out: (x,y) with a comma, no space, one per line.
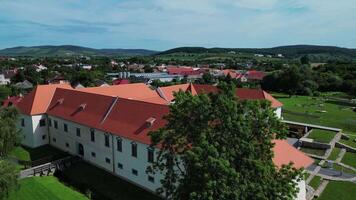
(164,24)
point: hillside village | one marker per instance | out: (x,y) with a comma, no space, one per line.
(100,112)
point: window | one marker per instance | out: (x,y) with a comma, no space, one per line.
(43,137)
(151,179)
(65,127)
(150,155)
(92,135)
(42,122)
(107,160)
(78,132)
(93,154)
(134,172)
(49,122)
(54,140)
(134,150)
(119,144)
(55,124)
(120,166)
(67,145)
(107,142)
(23,122)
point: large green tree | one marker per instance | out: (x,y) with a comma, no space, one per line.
(8,139)
(218,147)
(9,134)
(8,178)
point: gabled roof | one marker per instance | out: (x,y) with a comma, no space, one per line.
(168,92)
(123,117)
(242,93)
(135,91)
(285,153)
(14,100)
(37,101)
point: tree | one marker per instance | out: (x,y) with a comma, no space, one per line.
(8,178)
(304,60)
(8,140)
(218,147)
(9,135)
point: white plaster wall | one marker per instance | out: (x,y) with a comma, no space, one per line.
(98,147)
(278,112)
(302,191)
(140,164)
(39,132)
(26,131)
(102,152)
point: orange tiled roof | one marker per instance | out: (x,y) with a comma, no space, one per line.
(168,92)
(37,101)
(135,91)
(285,153)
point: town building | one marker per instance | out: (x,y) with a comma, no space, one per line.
(109,126)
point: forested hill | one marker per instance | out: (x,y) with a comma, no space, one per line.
(70,50)
(288,51)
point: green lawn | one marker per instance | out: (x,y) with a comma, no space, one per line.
(315,182)
(103,185)
(311,110)
(44,188)
(350,142)
(349,159)
(317,152)
(339,191)
(322,135)
(20,153)
(334,154)
(32,154)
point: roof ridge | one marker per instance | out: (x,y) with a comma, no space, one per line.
(109,110)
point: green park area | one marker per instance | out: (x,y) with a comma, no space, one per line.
(322,135)
(325,111)
(44,188)
(349,159)
(315,182)
(339,191)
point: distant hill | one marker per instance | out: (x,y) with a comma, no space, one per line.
(288,51)
(69,50)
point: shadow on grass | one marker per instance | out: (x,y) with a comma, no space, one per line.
(100,184)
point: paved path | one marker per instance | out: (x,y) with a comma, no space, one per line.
(313,173)
(340,156)
(321,188)
(312,125)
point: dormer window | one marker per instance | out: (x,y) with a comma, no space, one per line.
(150,121)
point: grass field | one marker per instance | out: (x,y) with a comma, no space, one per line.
(28,154)
(315,182)
(44,188)
(318,110)
(349,159)
(339,191)
(322,135)
(103,184)
(334,154)
(317,152)
(350,142)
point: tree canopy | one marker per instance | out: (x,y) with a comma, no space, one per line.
(219,147)
(8,139)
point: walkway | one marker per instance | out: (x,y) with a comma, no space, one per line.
(312,125)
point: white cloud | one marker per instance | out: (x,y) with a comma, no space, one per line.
(162,24)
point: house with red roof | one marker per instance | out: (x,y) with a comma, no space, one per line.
(109,126)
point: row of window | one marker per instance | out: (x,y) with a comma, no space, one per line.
(150,152)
